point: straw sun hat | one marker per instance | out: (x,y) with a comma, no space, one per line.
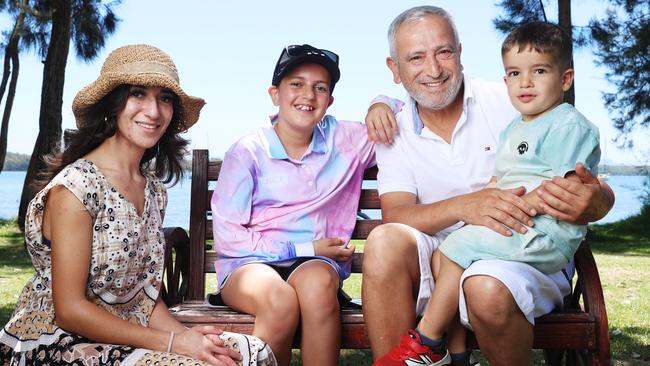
(137,65)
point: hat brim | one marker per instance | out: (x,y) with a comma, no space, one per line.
(107,82)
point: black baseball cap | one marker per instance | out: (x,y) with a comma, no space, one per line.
(295,55)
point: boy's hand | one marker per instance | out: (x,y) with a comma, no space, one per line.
(333,248)
(381,124)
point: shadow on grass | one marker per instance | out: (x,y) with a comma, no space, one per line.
(348,357)
(13,252)
(627,237)
(5,313)
(630,347)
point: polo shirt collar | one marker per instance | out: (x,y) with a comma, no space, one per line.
(275,149)
(468,96)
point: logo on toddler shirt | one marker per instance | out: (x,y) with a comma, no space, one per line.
(522,148)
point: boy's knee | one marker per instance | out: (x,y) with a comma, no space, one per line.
(320,293)
(281,303)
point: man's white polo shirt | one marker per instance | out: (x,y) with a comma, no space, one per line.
(422,163)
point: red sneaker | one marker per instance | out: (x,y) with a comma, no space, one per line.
(411,352)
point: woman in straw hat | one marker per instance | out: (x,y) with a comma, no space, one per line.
(94,232)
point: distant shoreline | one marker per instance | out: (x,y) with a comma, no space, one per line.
(19,162)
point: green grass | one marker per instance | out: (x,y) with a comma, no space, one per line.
(622,252)
(15,267)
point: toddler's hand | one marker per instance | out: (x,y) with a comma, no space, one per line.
(333,248)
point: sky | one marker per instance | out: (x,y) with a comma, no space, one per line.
(226,51)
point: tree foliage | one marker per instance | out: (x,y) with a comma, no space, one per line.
(86,24)
(518,12)
(90,21)
(15,41)
(622,44)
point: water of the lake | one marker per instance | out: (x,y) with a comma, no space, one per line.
(626,187)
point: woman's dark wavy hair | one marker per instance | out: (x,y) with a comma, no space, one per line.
(100,122)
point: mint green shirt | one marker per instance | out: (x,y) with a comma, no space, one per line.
(548,146)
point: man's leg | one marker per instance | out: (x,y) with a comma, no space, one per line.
(391,277)
(502,331)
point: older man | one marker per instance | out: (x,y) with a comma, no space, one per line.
(431,181)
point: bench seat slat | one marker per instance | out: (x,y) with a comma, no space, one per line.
(550,330)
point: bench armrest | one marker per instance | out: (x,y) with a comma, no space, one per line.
(177,265)
(589,287)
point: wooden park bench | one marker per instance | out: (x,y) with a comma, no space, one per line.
(577,334)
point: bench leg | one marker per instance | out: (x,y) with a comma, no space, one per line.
(571,357)
(579,357)
(553,357)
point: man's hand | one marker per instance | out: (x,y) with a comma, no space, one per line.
(333,248)
(381,124)
(575,202)
(499,210)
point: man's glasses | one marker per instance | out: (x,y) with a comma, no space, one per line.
(300,50)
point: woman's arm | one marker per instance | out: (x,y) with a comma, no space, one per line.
(69,228)
(161,319)
(186,338)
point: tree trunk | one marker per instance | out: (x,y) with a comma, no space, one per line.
(564,20)
(11,67)
(49,135)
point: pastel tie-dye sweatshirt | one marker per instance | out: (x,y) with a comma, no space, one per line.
(268,208)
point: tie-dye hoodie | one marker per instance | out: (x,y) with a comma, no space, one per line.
(268,208)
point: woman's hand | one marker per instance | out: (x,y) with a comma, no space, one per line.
(203,343)
(381,124)
(333,248)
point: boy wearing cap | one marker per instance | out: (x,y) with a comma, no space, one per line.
(285,207)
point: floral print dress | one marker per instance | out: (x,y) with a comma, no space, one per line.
(125,278)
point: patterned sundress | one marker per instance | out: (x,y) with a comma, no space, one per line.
(125,277)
